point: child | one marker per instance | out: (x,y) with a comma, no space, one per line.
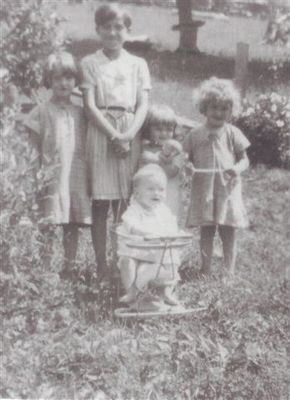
(115,87)
(147,215)
(160,147)
(218,150)
(60,133)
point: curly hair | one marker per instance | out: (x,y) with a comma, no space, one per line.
(219,91)
(62,62)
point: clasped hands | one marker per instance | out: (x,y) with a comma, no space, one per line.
(120,143)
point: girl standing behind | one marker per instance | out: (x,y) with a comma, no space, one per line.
(217,150)
(159,147)
(60,133)
(115,87)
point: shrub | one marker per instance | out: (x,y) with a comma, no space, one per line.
(267,125)
(29,33)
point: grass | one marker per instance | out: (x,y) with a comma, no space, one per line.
(216,37)
(72,348)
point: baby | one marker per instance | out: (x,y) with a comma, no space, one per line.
(148,216)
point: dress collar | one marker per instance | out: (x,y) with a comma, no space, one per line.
(214,134)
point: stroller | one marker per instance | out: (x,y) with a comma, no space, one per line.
(162,249)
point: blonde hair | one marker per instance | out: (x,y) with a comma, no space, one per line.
(107,12)
(219,91)
(62,62)
(149,172)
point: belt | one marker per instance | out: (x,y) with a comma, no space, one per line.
(116,108)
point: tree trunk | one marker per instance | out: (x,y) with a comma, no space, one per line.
(188,28)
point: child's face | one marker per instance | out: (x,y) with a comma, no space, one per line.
(218,113)
(169,150)
(113,34)
(62,85)
(159,133)
(151,192)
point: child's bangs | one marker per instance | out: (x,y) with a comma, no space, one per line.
(107,13)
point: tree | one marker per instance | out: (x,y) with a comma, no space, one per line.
(187,26)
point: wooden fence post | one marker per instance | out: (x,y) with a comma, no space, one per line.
(241,66)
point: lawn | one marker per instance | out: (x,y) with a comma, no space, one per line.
(216,37)
(61,341)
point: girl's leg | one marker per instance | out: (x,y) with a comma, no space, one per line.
(99,233)
(206,247)
(118,206)
(70,243)
(228,236)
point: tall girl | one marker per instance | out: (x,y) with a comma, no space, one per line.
(217,150)
(60,133)
(115,86)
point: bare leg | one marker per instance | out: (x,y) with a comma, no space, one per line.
(70,243)
(99,233)
(206,247)
(228,236)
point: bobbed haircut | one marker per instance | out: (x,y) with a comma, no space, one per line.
(215,90)
(160,115)
(147,173)
(107,12)
(62,63)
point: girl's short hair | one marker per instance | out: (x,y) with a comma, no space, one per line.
(160,115)
(219,91)
(63,63)
(149,172)
(107,12)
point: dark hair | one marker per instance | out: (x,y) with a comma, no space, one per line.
(108,12)
(62,62)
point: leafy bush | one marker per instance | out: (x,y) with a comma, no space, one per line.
(266,122)
(29,33)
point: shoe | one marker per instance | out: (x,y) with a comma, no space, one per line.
(169,297)
(130,296)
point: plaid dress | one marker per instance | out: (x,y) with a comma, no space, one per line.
(62,132)
(116,83)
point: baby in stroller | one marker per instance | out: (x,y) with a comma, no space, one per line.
(147,227)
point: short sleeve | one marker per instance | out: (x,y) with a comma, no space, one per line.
(144,81)
(33,120)
(87,77)
(240,141)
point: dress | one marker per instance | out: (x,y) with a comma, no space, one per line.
(215,200)
(62,131)
(117,83)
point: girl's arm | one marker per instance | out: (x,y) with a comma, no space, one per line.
(96,117)
(240,166)
(140,115)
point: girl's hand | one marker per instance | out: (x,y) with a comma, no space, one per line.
(126,136)
(231,173)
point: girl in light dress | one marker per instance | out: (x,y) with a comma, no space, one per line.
(115,87)
(59,131)
(148,215)
(160,147)
(217,150)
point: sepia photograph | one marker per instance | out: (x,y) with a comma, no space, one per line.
(145,200)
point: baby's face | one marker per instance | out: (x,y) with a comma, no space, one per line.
(151,192)
(169,150)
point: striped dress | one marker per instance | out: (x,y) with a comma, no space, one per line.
(116,83)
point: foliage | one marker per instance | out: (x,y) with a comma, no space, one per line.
(29,32)
(266,122)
